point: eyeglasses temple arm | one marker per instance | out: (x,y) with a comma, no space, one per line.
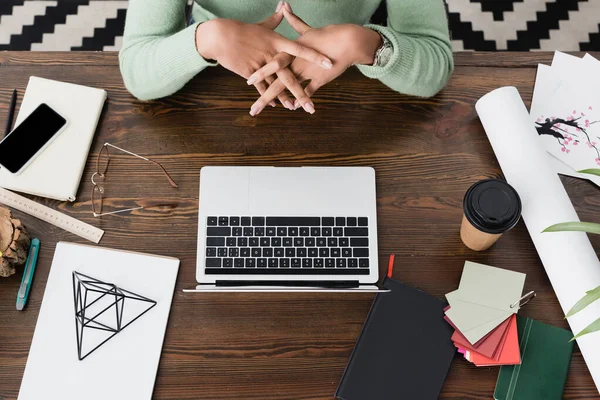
(171,181)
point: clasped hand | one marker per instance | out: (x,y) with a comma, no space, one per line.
(345,45)
(273,63)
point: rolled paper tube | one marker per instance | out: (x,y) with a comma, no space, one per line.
(568,257)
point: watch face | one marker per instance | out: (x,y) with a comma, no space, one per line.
(384,54)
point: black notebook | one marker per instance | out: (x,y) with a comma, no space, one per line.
(404,350)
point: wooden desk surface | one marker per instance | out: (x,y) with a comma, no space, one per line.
(426,153)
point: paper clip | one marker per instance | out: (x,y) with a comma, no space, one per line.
(527,297)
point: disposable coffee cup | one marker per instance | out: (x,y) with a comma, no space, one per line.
(491,207)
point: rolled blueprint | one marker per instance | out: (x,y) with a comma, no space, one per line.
(568,257)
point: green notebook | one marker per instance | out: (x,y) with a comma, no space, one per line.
(545,359)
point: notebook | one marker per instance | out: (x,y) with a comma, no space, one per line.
(545,359)
(56,172)
(404,350)
(123,366)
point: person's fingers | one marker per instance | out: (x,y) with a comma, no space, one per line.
(274,89)
(298,50)
(312,87)
(274,20)
(295,21)
(262,87)
(309,90)
(281,60)
(283,97)
(288,78)
(279,86)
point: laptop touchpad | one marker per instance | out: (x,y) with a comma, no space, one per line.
(288,191)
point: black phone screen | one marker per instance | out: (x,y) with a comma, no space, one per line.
(29,137)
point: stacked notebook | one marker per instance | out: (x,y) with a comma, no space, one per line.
(57,171)
(482,312)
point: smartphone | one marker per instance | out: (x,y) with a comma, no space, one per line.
(20,147)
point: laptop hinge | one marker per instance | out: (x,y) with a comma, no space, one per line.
(310,284)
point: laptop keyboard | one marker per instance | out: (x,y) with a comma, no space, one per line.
(287,245)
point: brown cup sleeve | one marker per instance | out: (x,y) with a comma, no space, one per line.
(475,239)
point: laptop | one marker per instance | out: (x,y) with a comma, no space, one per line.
(296,229)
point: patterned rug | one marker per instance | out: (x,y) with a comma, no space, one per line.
(518,25)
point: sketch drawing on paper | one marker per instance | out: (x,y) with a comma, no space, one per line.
(575,131)
(102,310)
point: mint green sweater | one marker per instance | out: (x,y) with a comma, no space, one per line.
(159,56)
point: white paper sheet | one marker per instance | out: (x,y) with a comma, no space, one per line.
(557,94)
(125,366)
(593,62)
(571,128)
(568,257)
(577,70)
(566,63)
(547,83)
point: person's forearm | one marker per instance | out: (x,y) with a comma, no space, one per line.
(421,62)
(159,54)
(158,67)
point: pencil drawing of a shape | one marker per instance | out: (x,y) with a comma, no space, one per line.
(102,310)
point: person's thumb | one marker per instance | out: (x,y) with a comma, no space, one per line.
(274,20)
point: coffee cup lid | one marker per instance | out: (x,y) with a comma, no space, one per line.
(492,206)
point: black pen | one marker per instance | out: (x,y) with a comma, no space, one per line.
(11,112)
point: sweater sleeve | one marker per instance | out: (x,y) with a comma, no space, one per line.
(421,62)
(159,54)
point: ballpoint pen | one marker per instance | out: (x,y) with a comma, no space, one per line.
(11,112)
(23,293)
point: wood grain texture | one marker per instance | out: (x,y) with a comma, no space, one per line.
(426,153)
(466,58)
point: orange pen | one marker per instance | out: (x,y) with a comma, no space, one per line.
(390,266)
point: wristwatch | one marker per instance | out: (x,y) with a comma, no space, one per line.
(383,53)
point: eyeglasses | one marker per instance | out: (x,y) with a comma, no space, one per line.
(102,166)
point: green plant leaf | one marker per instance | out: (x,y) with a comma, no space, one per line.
(589,227)
(591,171)
(585,301)
(593,327)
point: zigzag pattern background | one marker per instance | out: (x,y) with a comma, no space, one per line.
(61,25)
(485,25)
